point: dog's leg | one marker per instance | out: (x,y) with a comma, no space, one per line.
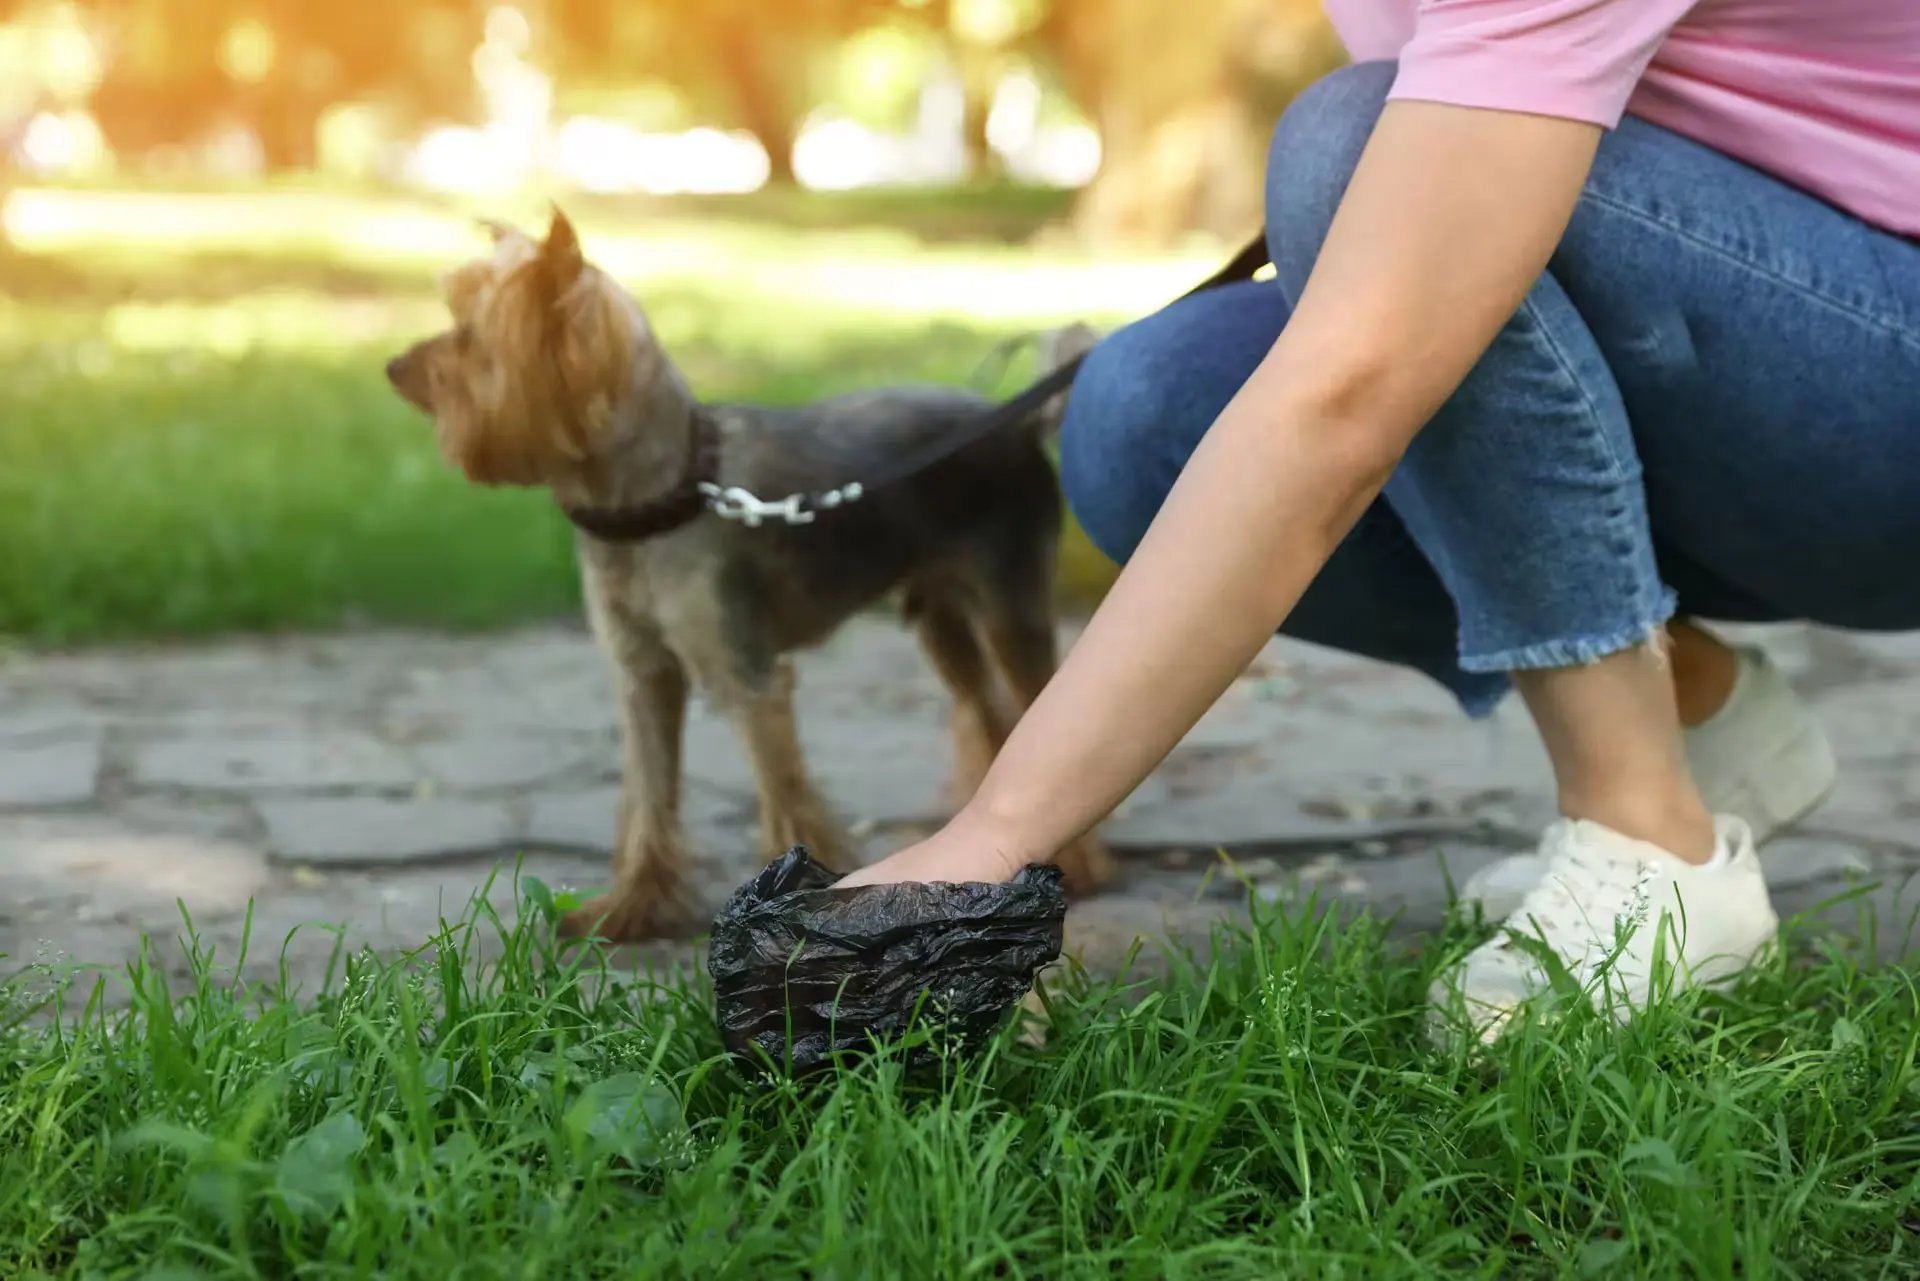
(1016,620)
(792,811)
(648,860)
(979,721)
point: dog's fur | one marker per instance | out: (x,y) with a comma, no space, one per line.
(550,376)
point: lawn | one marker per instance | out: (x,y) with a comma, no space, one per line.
(195,436)
(1277,1111)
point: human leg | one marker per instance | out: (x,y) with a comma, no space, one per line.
(1528,495)
(1667,325)
(1706,401)
(1139,407)
(1148,394)
(1524,494)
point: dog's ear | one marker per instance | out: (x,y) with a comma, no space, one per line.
(560,255)
(516,244)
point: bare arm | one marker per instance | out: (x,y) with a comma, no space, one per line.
(1450,217)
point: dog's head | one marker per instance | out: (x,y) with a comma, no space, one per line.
(543,350)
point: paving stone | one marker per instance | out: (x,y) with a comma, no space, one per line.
(715,755)
(35,723)
(880,769)
(516,760)
(98,867)
(479,696)
(377,830)
(249,675)
(1796,859)
(1257,813)
(59,773)
(579,820)
(1872,802)
(211,818)
(153,724)
(1879,722)
(583,819)
(1321,775)
(873,769)
(315,762)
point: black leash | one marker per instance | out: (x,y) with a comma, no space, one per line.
(734,503)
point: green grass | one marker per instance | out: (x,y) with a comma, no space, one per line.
(195,436)
(1277,1111)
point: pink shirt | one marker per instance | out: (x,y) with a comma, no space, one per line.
(1823,94)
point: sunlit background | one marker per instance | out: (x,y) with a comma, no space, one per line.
(217,217)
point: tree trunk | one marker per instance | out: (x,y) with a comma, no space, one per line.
(761,93)
(136,117)
(289,131)
(778,143)
(979,70)
(1184,96)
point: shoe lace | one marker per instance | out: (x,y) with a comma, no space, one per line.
(1581,905)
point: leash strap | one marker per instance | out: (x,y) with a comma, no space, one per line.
(730,502)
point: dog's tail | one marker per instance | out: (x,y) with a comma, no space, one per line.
(1055,349)
(1052,349)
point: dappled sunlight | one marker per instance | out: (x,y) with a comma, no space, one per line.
(1009,290)
(878,274)
(270,320)
(367,229)
(63,142)
(606,156)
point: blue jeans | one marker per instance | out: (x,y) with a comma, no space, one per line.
(1709,404)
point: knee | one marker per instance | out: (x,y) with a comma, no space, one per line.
(1118,399)
(1315,148)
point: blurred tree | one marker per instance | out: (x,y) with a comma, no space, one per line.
(985,36)
(1182,93)
(276,65)
(293,59)
(9,9)
(1183,96)
(750,64)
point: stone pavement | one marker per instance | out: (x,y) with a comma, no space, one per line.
(373,782)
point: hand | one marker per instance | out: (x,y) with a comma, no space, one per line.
(962,852)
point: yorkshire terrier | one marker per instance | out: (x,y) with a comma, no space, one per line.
(551,376)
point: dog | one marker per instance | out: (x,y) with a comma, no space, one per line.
(550,376)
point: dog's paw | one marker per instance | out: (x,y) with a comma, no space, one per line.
(828,845)
(1085,867)
(613,918)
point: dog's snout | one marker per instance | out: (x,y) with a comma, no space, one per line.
(403,371)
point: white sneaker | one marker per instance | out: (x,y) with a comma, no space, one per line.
(1762,757)
(1608,907)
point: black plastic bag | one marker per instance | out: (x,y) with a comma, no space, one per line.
(803,972)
